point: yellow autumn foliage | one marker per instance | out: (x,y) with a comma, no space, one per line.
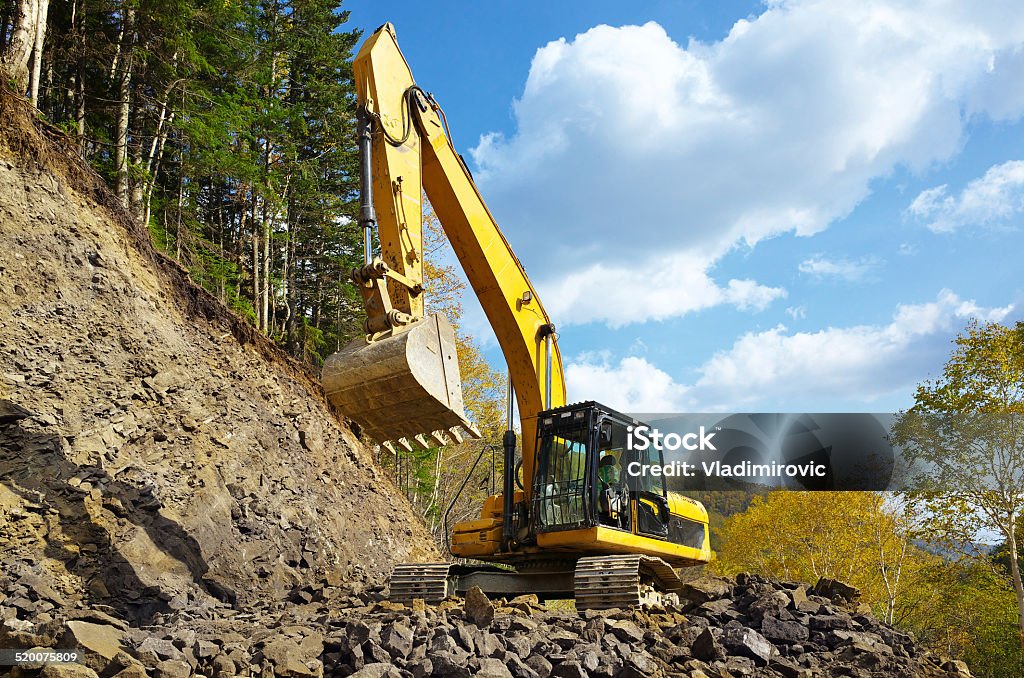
(862,538)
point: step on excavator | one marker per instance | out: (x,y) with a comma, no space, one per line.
(572,523)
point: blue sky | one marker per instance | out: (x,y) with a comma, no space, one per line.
(783,206)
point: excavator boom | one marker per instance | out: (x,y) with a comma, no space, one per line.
(411,151)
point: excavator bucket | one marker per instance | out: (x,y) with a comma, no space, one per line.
(403,388)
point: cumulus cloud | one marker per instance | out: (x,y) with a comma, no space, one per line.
(619,296)
(992,200)
(630,385)
(631,148)
(776,369)
(821,267)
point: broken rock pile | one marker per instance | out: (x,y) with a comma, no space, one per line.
(750,626)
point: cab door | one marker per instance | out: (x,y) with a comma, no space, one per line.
(648,498)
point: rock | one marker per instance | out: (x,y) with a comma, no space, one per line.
(204,649)
(956,667)
(828,622)
(67,671)
(770,605)
(540,665)
(465,638)
(569,669)
(784,631)
(153,651)
(705,646)
(172,668)
(372,652)
(488,645)
(520,645)
(11,413)
(290,658)
(447,664)
(518,668)
(222,663)
(378,670)
(590,661)
(832,589)
(493,668)
(797,596)
(788,668)
(443,642)
(397,639)
(639,664)
(716,607)
(479,609)
(749,643)
(625,630)
(421,669)
(101,642)
(705,590)
(523,624)
(136,671)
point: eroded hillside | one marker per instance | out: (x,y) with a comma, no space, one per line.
(174,458)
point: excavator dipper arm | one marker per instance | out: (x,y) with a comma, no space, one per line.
(411,149)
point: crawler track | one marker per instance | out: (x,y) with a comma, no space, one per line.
(604,582)
(428,581)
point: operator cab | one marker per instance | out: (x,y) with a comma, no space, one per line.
(582,478)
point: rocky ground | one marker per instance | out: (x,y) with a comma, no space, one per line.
(744,627)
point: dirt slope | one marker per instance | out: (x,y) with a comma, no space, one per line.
(174,459)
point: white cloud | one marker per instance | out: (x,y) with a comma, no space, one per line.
(821,267)
(992,200)
(619,296)
(631,385)
(631,149)
(777,370)
(796,312)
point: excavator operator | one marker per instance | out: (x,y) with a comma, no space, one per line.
(611,499)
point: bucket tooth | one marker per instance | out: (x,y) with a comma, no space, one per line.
(439,438)
(456,434)
(401,384)
(389,446)
(405,444)
(422,440)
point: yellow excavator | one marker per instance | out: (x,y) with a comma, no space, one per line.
(572,523)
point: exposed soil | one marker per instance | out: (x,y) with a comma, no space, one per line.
(174,457)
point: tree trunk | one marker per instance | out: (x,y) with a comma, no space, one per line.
(156,154)
(42,8)
(265,282)
(181,202)
(256,269)
(1018,587)
(123,61)
(15,58)
(76,85)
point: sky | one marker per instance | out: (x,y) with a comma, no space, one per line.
(778,206)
